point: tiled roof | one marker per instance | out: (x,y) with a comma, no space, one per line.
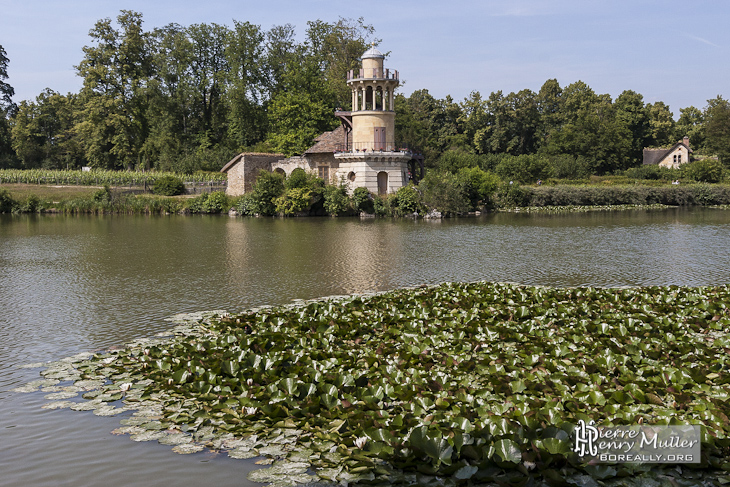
(328,141)
(655,156)
(238,157)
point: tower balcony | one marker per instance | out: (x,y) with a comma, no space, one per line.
(372,74)
(354,151)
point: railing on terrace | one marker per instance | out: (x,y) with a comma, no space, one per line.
(366,147)
(372,73)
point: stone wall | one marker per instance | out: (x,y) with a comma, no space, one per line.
(675,158)
(243,170)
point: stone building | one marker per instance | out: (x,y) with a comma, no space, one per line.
(680,153)
(362,151)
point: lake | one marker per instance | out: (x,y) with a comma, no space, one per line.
(71,284)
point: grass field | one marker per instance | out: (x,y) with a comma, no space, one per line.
(47,192)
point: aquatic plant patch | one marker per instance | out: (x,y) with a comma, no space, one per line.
(477,383)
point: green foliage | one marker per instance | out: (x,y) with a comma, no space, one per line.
(407,200)
(31,204)
(717,128)
(523,169)
(268,187)
(569,167)
(210,203)
(704,171)
(295,200)
(473,381)
(246,205)
(336,201)
(444,192)
(478,186)
(363,200)
(97,177)
(651,171)
(454,160)
(297,179)
(7,203)
(103,195)
(512,194)
(667,194)
(168,186)
(381,206)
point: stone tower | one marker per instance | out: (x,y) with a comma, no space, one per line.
(371,157)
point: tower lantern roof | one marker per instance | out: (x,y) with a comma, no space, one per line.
(373,53)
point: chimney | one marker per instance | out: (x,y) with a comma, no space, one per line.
(685,141)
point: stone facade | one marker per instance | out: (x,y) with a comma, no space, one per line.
(244,168)
(680,153)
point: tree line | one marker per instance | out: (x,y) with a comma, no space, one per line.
(576,130)
(188,98)
(185,98)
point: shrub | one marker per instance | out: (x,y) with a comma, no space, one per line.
(294,200)
(268,187)
(381,206)
(336,200)
(168,186)
(297,179)
(216,202)
(704,171)
(443,192)
(32,204)
(523,169)
(512,194)
(478,186)
(211,203)
(407,201)
(246,205)
(362,200)
(569,167)
(7,203)
(103,195)
(652,172)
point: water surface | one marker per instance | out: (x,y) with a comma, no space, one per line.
(85,283)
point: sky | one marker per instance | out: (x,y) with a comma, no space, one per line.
(672,51)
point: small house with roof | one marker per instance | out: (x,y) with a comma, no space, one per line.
(673,157)
(362,151)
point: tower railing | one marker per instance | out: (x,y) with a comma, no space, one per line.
(372,73)
(371,147)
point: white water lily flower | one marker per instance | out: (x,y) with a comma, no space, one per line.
(360,442)
(250,410)
(529,465)
(125,387)
(249,382)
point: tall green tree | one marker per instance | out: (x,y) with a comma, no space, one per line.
(42,132)
(717,129)
(691,124)
(632,114)
(591,130)
(116,70)
(246,89)
(336,48)
(302,110)
(209,72)
(7,108)
(170,113)
(661,124)
(549,107)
